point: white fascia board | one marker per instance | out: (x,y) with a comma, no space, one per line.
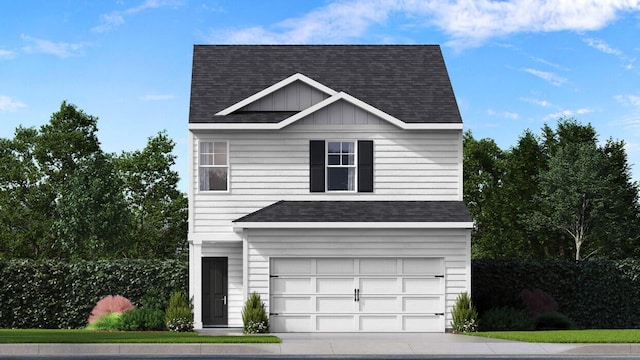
(353,225)
(275,87)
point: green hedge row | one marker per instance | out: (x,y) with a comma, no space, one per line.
(49,294)
(595,294)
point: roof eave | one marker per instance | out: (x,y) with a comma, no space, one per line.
(240,225)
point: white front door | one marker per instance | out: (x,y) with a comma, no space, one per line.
(357,294)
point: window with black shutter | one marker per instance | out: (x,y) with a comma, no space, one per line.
(345,166)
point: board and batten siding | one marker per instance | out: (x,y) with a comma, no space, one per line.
(451,244)
(296,96)
(270,165)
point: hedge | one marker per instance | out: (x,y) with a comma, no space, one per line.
(50,294)
(595,294)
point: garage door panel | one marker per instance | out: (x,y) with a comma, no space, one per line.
(378,323)
(291,286)
(423,285)
(288,323)
(379,304)
(334,285)
(335,266)
(286,266)
(334,323)
(422,323)
(378,286)
(422,304)
(282,304)
(374,266)
(422,266)
(334,304)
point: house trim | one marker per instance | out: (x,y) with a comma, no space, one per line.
(275,87)
(240,225)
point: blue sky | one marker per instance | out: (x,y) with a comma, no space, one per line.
(513,64)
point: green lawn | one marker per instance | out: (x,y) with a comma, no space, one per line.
(16,336)
(567,336)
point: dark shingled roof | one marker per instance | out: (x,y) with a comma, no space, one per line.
(409,82)
(361,211)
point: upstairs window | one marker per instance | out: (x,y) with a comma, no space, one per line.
(213,170)
(341,166)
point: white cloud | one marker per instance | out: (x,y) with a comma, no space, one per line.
(632,100)
(6,54)
(466,22)
(539,102)
(549,77)
(114,19)
(602,46)
(59,49)
(9,104)
(504,114)
(334,22)
(568,113)
(157,97)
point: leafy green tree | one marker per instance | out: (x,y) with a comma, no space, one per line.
(26,199)
(158,208)
(561,195)
(92,218)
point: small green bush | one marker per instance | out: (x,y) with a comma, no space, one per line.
(143,319)
(254,315)
(505,319)
(179,316)
(465,316)
(155,300)
(107,322)
(554,321)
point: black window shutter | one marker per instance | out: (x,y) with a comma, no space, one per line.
(316,166)
(365,166)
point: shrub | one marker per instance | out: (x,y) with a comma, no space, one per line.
(179,317)
(505,319)
(143,319)
(154,300)
(538,302)
(107,322)
(110,304)
(254,315)
(554,321)
(464,315)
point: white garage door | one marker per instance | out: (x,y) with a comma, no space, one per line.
(357,294)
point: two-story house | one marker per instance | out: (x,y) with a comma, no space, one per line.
(329,180)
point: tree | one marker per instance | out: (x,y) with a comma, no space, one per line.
(62,197)
(92,218)
(557,196)
(158,208)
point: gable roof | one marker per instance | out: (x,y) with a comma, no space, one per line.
(360,213)
(408,83)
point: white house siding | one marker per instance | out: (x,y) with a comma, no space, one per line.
(451,244)
(296,96)
(271,165)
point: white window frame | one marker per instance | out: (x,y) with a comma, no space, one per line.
(354,166)
(200,165)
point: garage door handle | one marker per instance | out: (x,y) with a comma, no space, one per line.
(358,293)
(355,295)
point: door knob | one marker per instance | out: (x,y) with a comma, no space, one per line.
(224,300)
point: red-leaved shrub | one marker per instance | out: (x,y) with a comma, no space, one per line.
(110,304)
(538,302)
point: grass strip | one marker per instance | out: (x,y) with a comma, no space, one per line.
(42,336)
(596,336)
